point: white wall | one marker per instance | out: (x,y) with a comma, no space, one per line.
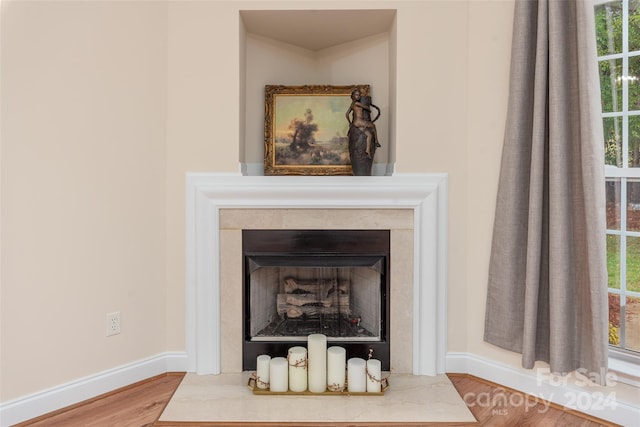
(488,75)
(118,66)
(83,188)
(431,114)
(431,95)
(106,106)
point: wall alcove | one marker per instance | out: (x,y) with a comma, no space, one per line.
(332,47)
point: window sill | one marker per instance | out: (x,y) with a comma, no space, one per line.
(625,366)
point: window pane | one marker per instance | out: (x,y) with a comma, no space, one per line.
(613,261)
(608,28)
(613,203)
(611,85)
(634,83)
(633,205)
(633,263)
(634,25)
(614,319)
(613,141)
(634,141)
(632,319)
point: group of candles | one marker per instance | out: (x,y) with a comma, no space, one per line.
(318,369)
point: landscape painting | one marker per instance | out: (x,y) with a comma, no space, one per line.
(306,130)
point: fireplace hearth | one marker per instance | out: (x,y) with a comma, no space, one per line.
(302,282)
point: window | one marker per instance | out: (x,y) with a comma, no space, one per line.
(618,41)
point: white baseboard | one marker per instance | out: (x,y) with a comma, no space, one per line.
(40,403)
(602,403)
(528,381)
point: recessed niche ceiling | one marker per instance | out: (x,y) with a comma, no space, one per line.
(317,29)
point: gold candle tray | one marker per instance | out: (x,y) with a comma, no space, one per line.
(384,385)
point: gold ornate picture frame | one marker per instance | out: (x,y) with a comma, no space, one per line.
(305,129)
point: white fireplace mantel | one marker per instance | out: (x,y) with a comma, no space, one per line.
(207,194)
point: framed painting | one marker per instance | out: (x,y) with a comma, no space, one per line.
(305,129)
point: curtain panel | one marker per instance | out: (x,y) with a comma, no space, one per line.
(547,286)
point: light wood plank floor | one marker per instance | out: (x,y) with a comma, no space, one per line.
(141,404)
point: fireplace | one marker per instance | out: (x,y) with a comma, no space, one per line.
(302,282)
(412,207)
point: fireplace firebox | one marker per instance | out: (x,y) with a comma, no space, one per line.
(301,282)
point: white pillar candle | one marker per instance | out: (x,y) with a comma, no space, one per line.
(317,344)
(278,374)
(374,375)
(297,369)
(356,375)
(336,368)
(262,371)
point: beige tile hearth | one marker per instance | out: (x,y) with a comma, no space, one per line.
(226,398)
(399,222)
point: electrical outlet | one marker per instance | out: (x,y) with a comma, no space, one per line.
(113,323)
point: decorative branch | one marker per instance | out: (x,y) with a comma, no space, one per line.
(301,363)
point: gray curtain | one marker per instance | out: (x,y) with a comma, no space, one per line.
(547,290)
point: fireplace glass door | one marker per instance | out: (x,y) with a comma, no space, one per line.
(289,302)
(302,282)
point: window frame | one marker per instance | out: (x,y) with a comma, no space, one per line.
(623,360)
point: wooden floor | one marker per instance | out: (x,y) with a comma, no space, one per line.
(494,405)
(141,404)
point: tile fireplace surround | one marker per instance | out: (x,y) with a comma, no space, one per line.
(412,207)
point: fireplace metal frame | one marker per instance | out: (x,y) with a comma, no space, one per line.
(328,246)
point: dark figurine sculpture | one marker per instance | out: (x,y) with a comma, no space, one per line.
(363,136)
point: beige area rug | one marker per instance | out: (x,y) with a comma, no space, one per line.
(226,398)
